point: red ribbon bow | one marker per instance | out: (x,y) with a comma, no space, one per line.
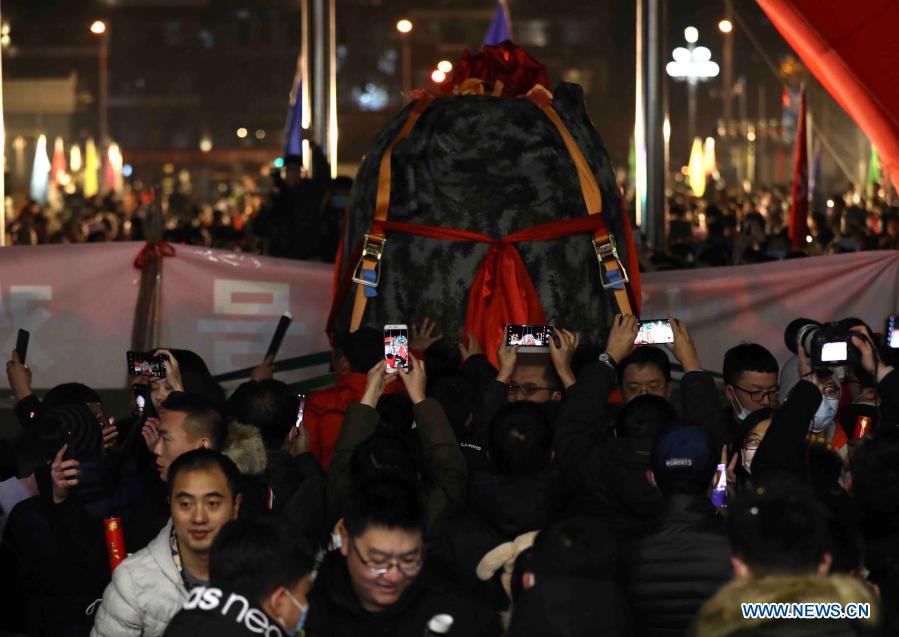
(153,252)
(502,292)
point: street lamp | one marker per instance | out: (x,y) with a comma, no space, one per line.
(692,64)
(725,26)
(98,28)
(404,27)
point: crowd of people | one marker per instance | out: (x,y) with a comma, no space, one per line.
(296,217)
(731,228)
(301,218)
(587,491)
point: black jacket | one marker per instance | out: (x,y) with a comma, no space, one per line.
(888,390)
(571,607)
(335,610)
(783,447)
(607,477)
(500,508)
(243,617)
(669,573)
(298,485)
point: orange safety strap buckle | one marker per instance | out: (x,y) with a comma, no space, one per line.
(372,251)
(606,253)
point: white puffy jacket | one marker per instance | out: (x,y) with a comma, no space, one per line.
(145,593)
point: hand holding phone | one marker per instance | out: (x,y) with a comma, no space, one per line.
(22,344)
(396,347)
(144,364)
(654,332)
(892,333)
(529,338)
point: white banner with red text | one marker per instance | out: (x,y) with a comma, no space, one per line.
(78,303)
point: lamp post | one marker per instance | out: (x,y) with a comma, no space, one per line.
(693,64)
(98,28)
(405,27)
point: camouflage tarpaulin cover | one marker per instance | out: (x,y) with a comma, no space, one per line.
(493,165)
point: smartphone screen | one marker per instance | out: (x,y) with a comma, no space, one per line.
(301,410)
(893,332)
(719,494)
(529,338)
(835,352)
(142,400)
(654,332)
(143,364)
(396,347)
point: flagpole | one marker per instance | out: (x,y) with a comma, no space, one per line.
(2,154)
(332,87)
(306,114)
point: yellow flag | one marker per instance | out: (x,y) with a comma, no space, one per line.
(696,169)
(91,166)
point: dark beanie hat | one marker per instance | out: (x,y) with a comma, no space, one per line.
(71,424)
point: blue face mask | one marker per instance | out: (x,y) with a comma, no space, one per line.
(304,610)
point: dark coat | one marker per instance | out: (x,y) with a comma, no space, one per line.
(607,477)
(571,607)
(298,485)
(669,573)
(335,611)
(444,478)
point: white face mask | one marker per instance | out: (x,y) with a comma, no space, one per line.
(825,415)
(740,411)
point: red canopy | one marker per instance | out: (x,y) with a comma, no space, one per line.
(853,50)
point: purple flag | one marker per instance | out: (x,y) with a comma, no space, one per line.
(500,28)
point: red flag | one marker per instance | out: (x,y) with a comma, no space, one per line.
(799,197)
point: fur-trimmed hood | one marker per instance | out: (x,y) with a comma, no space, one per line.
(245,447)
(722,615)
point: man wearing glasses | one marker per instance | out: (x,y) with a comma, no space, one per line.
(750,380)
(377,582)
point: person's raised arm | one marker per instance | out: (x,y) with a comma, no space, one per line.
(578,441)
(359,423)
(563,353)
(699,396)
(443,457)
(783,445)
(887,379)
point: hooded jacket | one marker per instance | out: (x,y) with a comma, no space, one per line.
(145,593)
(335,610)
(669,573)
(212,612)
(295,485)
(722,615)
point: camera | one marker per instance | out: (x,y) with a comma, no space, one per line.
(827,344)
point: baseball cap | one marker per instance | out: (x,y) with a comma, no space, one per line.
(683,449)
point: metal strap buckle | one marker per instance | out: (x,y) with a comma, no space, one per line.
(372,250)
(609,250)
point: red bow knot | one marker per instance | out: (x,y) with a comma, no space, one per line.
(153,252)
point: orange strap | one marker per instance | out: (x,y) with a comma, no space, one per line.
(589,189)
(382,204)
(593,202)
